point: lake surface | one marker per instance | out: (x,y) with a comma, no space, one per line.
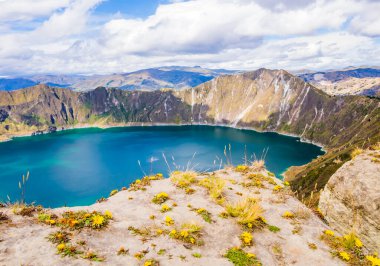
(77,167)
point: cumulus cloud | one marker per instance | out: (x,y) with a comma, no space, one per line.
(236,34)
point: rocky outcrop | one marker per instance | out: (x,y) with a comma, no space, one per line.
(351,199)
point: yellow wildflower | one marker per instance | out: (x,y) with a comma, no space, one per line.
(148,263)
(52,222)
(165,208)
(249,225)
(200,210)
(344,255)
(286,183)
(329,232)
(173,233)
(184,233)
(97,221)
(250,255)
(108,214)
(138,181)
(159,232)
(61,247)
(247,238)
(169,220)
(374,260)
(277,188)
(192,240)
(358,243)
(288,214)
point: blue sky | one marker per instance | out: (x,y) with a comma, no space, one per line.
(100,36)
(129,8)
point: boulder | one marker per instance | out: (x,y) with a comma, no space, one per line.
(350,201)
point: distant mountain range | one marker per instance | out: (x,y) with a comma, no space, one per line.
(364,81)
(174,77)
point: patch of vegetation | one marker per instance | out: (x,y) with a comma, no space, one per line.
(122,251)
(242,168)
(273,228)
(141,184)
(151,262)
(206,215)
(59,237)
(241,258)
(196,255)
(246,238)
(348,248)
(190,233)
(183,179)
(215,186)
(77,220)
(248,212)
(160,198)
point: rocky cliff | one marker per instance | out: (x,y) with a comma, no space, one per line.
(265,100)
(350,201)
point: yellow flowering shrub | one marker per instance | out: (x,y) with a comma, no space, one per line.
(160,198)
(344,255)
(329,232)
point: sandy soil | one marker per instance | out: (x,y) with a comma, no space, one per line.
(23,239)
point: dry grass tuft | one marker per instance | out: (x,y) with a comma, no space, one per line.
(248,211)
(183,179)
(215,186)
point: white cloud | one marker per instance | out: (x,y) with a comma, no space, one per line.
(237,34)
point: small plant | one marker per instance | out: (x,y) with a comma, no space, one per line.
(22,186)
(165,208)
(248,211)
(122,251)
(92,256)
(169,221)
(356,152)
(273,228)
(196,255)
(190,233)
(151,262)
(59,237)
(277,188)
(288,215)
(161,252)
(348,248)
(312,246)
(240,258)
(206,215)
(215,186)
(114,192)
(246,238)
(141,184)
(242,168)
(25,210)
(68,250)
(183,179)
(160,198)
(258,165)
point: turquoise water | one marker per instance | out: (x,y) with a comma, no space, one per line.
(76,167)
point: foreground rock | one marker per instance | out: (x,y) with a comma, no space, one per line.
(351,199)
(283,231)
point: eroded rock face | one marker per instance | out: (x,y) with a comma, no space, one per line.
(350,201)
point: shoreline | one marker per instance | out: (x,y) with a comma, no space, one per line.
(150,124)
